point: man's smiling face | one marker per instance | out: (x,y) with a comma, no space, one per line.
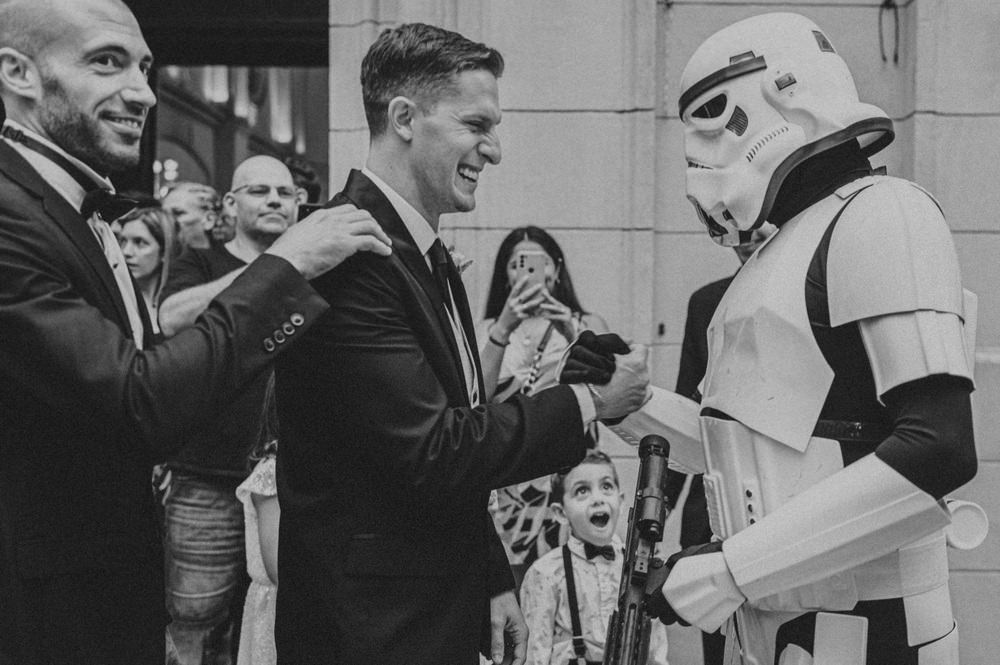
(454,137)
(94,94)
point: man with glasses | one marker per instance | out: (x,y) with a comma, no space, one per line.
(196,208)
(206,569)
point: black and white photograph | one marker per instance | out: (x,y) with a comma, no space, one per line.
(501,332)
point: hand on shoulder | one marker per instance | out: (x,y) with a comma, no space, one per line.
(329,236)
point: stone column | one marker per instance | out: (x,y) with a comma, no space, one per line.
(956,140)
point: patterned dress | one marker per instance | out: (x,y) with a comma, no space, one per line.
(257,633)
(521,513)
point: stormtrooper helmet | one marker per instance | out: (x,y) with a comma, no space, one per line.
(758,98)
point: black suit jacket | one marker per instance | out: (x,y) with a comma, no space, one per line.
(695,528)
(84,415)
(387,553)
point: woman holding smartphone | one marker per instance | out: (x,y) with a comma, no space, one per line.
(532,315)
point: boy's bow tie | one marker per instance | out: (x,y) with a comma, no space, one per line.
(591,551)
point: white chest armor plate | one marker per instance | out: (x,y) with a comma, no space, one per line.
(766,372)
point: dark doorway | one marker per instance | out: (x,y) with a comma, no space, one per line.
(241,42)
(285,33)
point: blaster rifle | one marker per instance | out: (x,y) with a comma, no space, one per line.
(628,632)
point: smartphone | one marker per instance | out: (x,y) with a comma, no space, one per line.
(306,209)
(532,264)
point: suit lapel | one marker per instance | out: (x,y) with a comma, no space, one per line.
(69,220)
(360,191)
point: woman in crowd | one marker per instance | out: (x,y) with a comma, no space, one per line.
(528,326)
(148,240)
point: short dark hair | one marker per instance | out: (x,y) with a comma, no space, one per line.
(558,479)
(562,291)
(266,442)
(304,176)
(419,61)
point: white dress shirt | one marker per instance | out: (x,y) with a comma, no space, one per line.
(424,236)
(545,603)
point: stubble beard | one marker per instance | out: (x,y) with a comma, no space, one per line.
(260,237)
(77,133)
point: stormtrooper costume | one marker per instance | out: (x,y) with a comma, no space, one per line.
(836,405)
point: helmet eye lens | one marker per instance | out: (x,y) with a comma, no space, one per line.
(713,108)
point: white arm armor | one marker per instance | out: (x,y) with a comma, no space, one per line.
(911,345)
(858,514)
(892,251)
(673,417)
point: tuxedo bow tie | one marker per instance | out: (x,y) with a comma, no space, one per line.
(108,205)
(606,551)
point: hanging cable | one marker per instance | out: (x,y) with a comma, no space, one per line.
(889,5)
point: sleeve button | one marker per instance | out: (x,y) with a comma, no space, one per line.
(269,345)
(297,319)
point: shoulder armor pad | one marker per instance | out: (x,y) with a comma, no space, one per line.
(891,251)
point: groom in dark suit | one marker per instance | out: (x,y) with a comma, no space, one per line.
(387,454)
(88,402)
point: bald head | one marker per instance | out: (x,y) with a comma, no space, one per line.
(75,71)
(261,169)
(262,200)
(30,26)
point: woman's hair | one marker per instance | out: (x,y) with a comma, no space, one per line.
(163,227)
(267,434)
(562,290)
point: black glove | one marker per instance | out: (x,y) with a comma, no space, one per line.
(656,604)
(592,358)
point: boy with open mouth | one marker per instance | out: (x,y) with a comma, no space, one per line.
(569,594)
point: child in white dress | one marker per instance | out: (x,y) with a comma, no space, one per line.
(259,496)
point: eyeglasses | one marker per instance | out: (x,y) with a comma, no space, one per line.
(261,191)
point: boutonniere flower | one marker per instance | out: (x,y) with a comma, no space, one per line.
(459,259)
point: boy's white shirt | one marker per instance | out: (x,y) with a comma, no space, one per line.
(545,603)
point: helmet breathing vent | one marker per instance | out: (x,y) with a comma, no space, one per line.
(764,140)
(738,122)
(824,43)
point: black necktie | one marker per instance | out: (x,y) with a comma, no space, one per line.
(591,551)
(439,268)
(108,205)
